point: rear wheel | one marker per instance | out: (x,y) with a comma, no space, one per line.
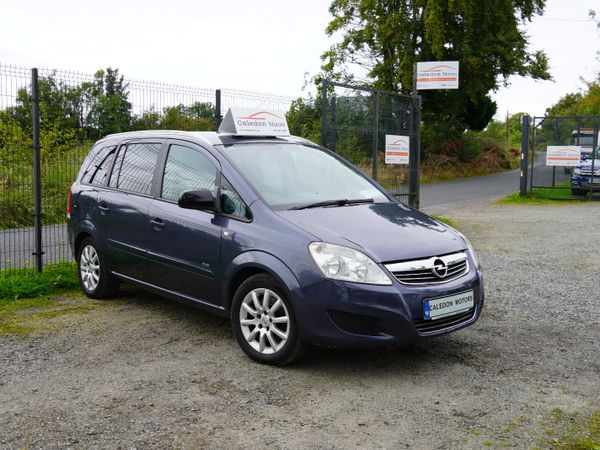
(577,191)
(263,322)
(94,277)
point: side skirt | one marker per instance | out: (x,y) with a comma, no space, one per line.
(191,301)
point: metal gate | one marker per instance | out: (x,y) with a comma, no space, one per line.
(355,122)
(562,181)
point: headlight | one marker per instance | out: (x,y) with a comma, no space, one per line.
(471,250)
(577,171)
(346,264)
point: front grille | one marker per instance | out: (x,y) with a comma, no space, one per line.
(354,323)
(432,270)
(428,326)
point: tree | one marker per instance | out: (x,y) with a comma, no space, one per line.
(111,110)
(304,118)
(586,103)
(387,37)
(198,116)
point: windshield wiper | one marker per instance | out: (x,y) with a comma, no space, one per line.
(340,202)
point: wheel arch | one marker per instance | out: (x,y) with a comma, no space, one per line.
(251,263)
(84,229)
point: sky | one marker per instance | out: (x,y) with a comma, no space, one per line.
(267,46)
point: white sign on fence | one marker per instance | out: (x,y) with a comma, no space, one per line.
(437,75)
(563,155)
(397,149)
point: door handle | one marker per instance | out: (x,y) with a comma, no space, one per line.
(158,224)
(103,209)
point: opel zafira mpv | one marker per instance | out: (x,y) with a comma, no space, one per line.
(289,240)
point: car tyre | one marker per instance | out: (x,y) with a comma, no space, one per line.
(577,191)
(94,277)
(263,322)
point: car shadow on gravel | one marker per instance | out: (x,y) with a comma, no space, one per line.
(442,351)
(410,359)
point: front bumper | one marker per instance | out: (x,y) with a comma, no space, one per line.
(584,182)
(352,315)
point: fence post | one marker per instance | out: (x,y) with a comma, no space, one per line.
(525,119)
(324,113)
(218,116)
(333,124)
(37,179)
(376,137)
(414,180)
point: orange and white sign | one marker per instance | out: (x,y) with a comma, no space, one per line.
(563,155)
(397,149)
(254,122)
(437,75)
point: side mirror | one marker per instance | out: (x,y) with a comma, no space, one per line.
(201,199)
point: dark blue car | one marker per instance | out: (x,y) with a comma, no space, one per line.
(289,240)
(586,176)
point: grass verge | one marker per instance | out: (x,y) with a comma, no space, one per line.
(25,316)
(25,305)
(27,283)
(541,196)
(573,431)
(445,220)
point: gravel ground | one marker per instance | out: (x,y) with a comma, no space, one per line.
(142,372)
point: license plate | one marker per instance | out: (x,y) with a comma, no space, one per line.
(437,308)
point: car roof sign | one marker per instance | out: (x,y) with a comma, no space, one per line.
(254,122)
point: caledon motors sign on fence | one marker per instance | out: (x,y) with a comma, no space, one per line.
(437,75)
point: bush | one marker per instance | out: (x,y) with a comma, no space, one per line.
(472,155)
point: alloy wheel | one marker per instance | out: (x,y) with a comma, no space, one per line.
(264,321)
(89,268)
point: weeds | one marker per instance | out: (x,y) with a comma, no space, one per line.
(27,283)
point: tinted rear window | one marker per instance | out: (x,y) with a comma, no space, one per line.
(134,168)
(99,166)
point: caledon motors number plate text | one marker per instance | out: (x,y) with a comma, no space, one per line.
(447,306)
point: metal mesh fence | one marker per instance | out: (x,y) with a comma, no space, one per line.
(583,132)
(76,109)
(16,171)
(236,98)
(357,121)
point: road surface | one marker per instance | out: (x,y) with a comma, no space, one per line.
(450,195)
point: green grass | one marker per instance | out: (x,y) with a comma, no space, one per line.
(27,283)
(574,431)
(26,298)
(445,220)
(23,317)
(541,196)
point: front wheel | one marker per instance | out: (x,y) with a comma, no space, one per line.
(94,277)
(263,322)
(578,191)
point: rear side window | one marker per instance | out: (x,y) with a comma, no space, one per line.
(186,170)
(98,168)
(134,167)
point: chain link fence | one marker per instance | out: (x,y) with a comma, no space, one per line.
(580,179)
(355,123)
(76,109)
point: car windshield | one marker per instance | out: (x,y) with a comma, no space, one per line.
(583,140)
(289,176)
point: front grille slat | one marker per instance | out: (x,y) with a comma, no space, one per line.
(428,326)
(422,271)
